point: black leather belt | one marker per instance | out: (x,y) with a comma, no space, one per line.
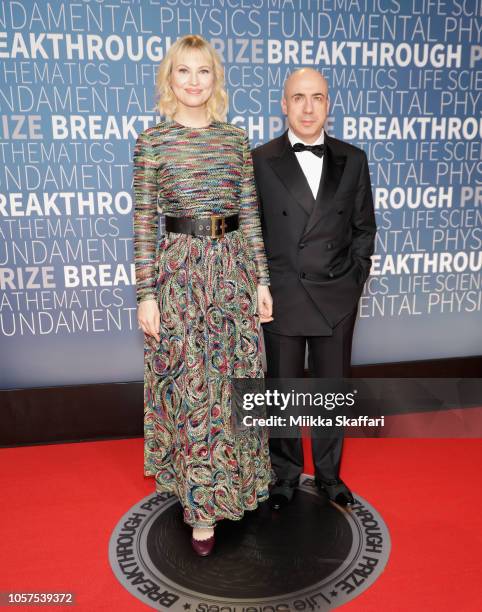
(214,226)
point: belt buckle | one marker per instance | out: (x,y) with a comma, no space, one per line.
(214,231)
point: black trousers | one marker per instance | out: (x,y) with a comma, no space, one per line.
(328,357)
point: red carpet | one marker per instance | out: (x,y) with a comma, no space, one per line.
(61,502)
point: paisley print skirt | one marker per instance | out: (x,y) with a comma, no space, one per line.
(209,333)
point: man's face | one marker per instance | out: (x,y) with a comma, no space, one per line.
(305,102)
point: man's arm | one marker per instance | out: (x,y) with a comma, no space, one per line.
(363,221)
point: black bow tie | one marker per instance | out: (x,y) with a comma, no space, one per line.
(317,150)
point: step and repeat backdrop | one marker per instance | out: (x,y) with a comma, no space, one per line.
(77,86)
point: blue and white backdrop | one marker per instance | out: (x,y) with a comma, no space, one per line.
(77,86)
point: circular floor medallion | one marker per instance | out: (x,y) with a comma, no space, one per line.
(312,555)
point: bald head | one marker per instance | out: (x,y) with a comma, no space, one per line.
(305,74)
(305,102)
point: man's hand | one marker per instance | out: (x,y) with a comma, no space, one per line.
(265,304)
(149,318)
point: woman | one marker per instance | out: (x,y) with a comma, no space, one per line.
(202,292)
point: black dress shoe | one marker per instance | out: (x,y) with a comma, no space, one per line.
(278,501)
(336,490)
(282,493)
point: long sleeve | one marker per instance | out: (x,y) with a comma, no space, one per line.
(146,218)
(363,221)
(249,219)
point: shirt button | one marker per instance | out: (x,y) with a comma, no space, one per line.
(285,213)
(329,246)
(330,274)
(302,245)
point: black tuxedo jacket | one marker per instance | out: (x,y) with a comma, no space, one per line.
(318,251)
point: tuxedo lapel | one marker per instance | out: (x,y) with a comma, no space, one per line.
(291,175)
(331,175)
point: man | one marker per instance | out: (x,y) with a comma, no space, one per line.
(319,227)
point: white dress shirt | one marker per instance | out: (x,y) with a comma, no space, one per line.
(311,164)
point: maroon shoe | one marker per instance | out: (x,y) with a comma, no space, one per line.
(203,547)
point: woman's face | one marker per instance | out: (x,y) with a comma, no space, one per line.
(192,78)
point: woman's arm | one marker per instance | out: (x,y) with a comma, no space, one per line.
(146,217)
(249,219)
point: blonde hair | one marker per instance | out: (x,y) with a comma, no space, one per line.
(217,105)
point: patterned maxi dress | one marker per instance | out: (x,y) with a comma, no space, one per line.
(206,291)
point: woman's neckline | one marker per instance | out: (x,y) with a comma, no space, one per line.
(192,127)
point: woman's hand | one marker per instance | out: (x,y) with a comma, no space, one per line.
(149,318)
(265,304)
